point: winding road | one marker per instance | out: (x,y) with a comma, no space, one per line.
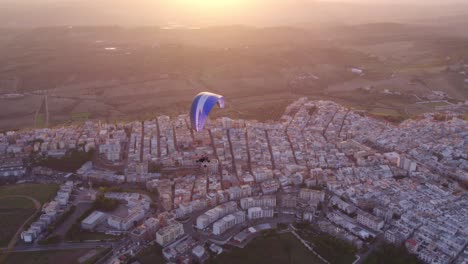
(16,236)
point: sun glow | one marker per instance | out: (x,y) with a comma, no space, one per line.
(213,5)
(210,11)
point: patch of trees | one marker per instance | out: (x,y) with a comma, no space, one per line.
(394,119)
(8,180)
(441,117)
(464,184)
(105,204)
(312,110)
(34,141)
(109,188)
(282,226)
(438,156)
(71,162)
(399,177)
(154,167)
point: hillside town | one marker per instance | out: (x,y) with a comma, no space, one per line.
(358,178)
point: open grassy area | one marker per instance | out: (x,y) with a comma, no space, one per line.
(71,162)
(150,255)
(273,248)
(40,192)
(389,254)
(80,116)
(384,112)
(47,257)
(7,203)
(435,104)
(40,120)
(13,212)
(332,249)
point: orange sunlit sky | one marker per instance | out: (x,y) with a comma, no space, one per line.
(206,12)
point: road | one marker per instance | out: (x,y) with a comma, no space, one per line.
(61,246)
(16,236)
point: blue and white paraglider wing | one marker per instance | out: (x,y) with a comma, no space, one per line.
(201,108)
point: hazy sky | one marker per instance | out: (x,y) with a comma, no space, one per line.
(213,12)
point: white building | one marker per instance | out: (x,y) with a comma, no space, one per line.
(28,236)
(169,233)
(270,186)
(93,220)
(111,149)
(369,220)
(260,212)
(125,223)
(227,222)
(214,214)
(258,201)
(313,196)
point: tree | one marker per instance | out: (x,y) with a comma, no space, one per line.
(154,167)
(105,204)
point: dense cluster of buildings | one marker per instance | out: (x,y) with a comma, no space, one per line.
(372,176)
(137,208)
(216,213)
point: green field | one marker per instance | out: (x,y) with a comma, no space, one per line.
(40,120)
(41,192)
(329,247)
(435,104)
(71,162)
(269,249)
(81,116)
(13,212)
(47,257)
(389,254)
(384,112)
(151,255)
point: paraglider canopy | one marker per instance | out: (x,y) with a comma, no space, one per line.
(201,108)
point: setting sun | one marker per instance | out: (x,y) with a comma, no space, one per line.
(213,4)
(210,11)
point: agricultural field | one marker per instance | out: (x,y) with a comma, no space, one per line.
(258,70)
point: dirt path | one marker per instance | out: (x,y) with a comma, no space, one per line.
(16,236)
